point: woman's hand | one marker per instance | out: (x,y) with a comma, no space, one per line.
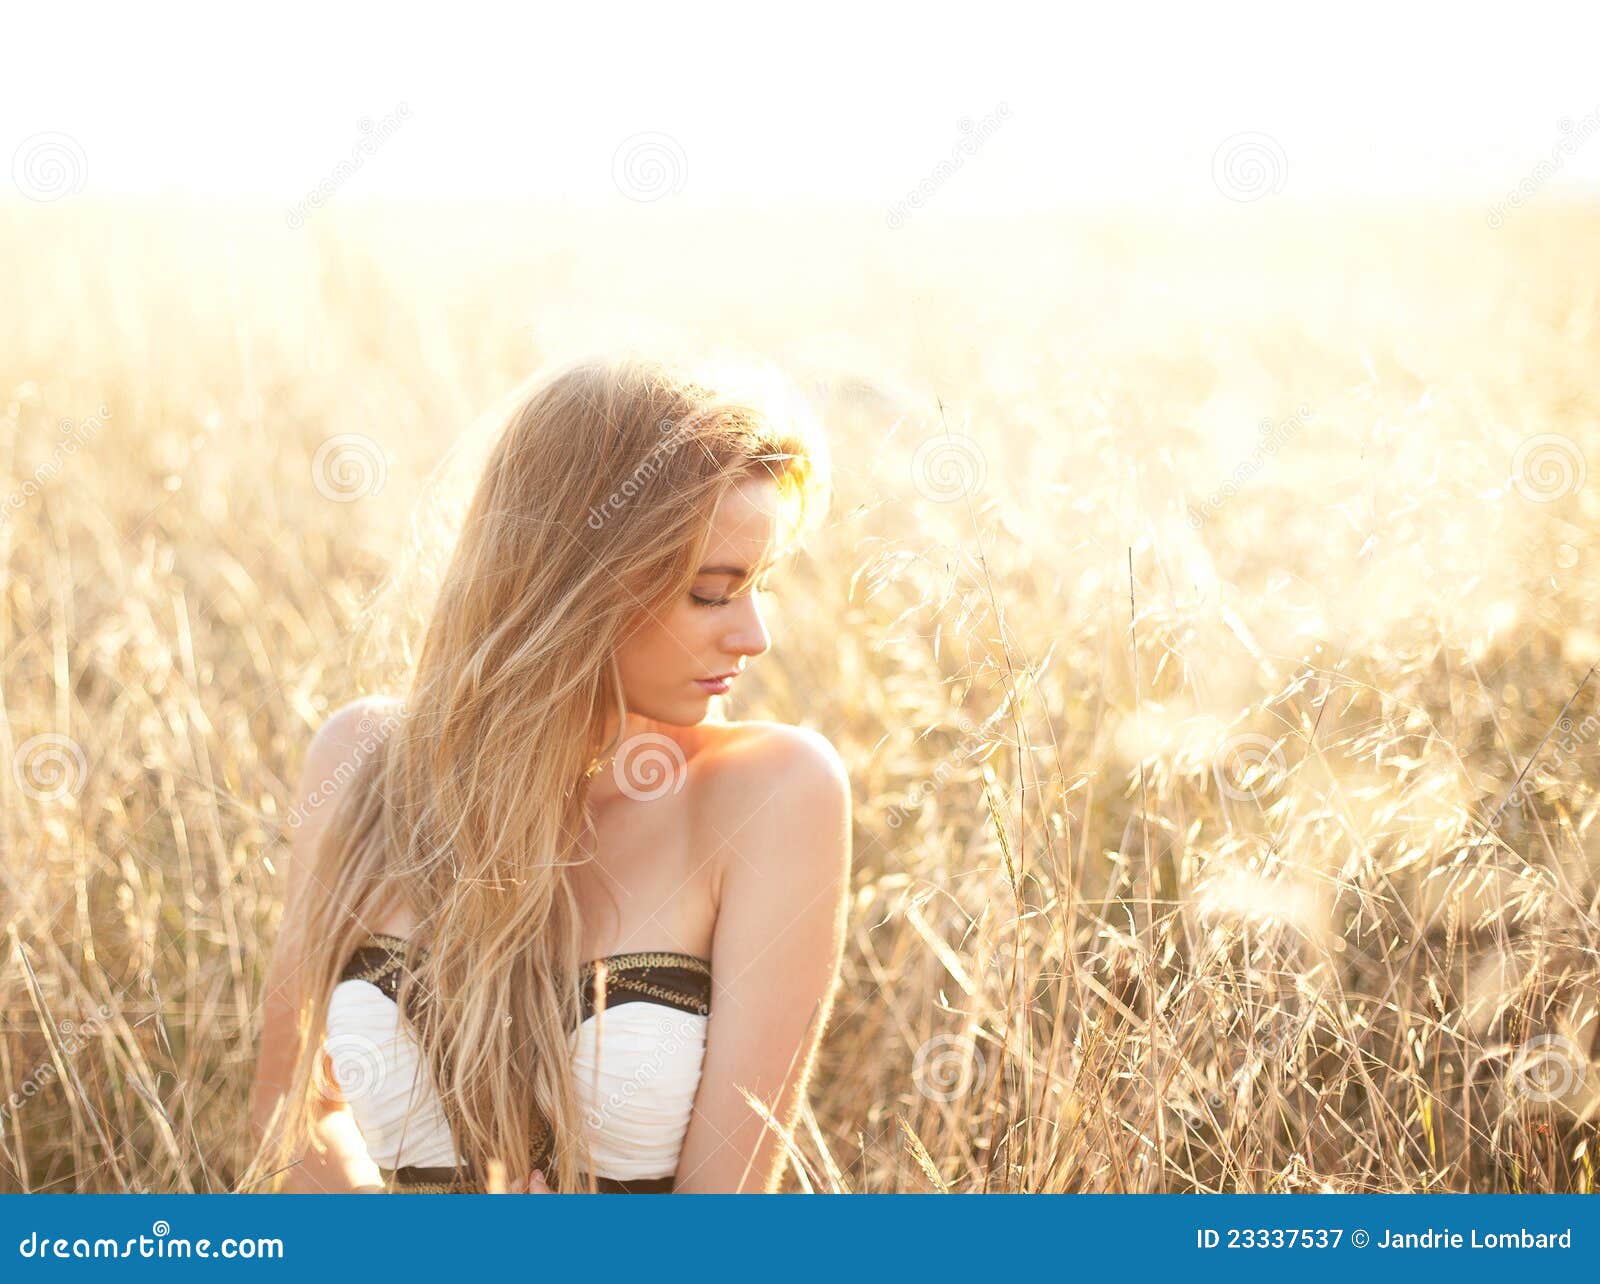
(533,1184)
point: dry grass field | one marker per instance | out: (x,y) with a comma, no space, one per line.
(1206,614)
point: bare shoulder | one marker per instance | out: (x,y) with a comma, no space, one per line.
(337,750)
(359,722)
(334,755)
(777,793)
(346,739)
(767,757)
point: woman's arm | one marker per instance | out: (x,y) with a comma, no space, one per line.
(338,1159)
(784,880)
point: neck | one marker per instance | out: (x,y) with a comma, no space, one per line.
(604,785)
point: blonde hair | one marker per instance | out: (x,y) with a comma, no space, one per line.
(595,503)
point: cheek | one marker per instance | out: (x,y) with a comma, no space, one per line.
(664,643)
(683,634)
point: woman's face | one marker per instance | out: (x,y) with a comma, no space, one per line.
(668,660)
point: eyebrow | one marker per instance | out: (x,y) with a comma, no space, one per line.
(737,571)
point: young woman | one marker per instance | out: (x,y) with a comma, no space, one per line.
(549,914)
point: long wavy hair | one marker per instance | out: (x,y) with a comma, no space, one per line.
(595,504)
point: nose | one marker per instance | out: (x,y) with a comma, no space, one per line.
(747,631)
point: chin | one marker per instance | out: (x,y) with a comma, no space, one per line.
(686,713)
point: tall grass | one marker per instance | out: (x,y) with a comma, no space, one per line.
(1207,617)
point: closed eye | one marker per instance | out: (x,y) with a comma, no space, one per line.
(723,601)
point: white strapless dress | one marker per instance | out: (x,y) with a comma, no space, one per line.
(637,1063)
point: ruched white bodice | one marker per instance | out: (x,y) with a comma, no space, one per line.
(637,1063)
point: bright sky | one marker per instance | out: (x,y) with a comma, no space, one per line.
(836,103)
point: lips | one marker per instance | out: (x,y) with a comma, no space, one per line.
(717,685)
